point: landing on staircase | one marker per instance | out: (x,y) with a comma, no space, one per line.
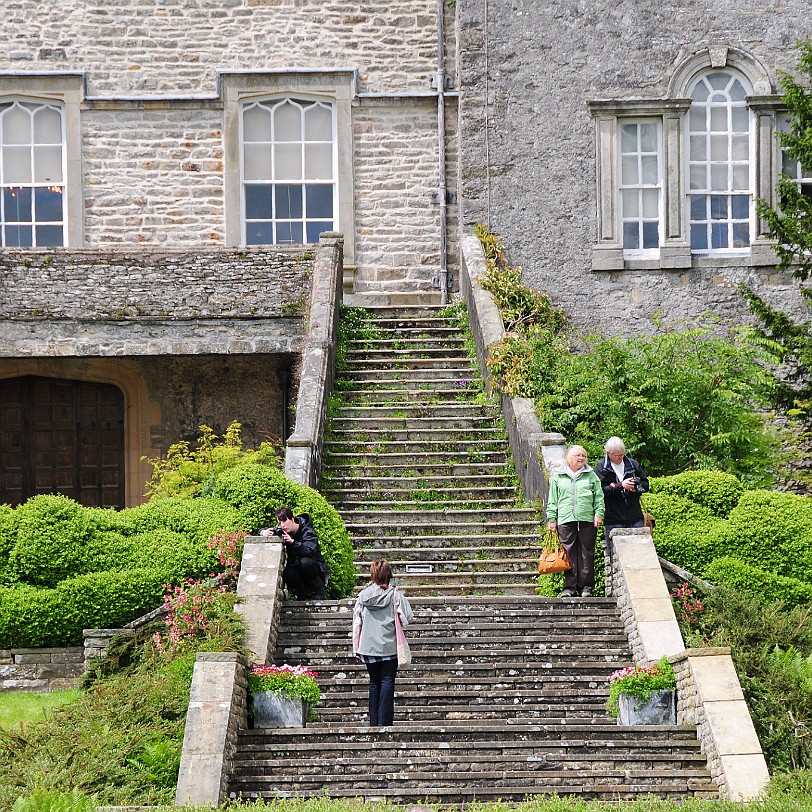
(507,691)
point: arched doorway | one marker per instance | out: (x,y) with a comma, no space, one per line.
(61,436)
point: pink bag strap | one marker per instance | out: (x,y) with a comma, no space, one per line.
(400,636)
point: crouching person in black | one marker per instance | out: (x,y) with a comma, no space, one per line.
(623,481)
(306,571)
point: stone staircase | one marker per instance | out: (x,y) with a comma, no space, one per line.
(506,695)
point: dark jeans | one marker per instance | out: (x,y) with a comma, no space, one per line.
(578,539)
(382,692)
(303,579)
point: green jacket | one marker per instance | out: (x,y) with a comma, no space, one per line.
(575,499)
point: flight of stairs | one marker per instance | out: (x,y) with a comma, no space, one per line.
(506,695)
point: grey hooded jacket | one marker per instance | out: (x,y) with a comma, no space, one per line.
(373,621)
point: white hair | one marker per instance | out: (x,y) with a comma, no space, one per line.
(614,444)
(571,450)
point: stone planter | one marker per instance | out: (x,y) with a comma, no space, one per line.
(272,709)
(660,709)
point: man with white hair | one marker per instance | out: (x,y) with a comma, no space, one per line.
(623,481)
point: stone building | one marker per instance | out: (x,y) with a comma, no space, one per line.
(619,147)
(163,165)
(166,167)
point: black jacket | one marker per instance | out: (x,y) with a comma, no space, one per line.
(306,545)
(622,506)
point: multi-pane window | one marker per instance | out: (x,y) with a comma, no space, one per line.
(720,185)
(640,176)
(31,174)
(289,171)
(793,169)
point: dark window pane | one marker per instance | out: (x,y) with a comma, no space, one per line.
(319,200)
(288,202)
(289,233)
(699,207)
(258,204)
(17,204)
(651,235)
(48,204)
(631,236)
(719,235)
(316,228)
(258,234)
(741,207)
(18,236)
(741,235)
(718,207)
(49,236)
(699,237)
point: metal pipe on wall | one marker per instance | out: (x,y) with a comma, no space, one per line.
(442,187)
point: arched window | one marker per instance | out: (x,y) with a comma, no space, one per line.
(720,183)
(32,172)
(288,171)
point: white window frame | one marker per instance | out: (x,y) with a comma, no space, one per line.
(337,86)
(276,176)
(67,91)
(11,187)
(707,192)
(639,188)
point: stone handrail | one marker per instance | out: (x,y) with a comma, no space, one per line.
(708,691)
(535,451)
(303,454)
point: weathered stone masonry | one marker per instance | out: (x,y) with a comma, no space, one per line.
(529,71)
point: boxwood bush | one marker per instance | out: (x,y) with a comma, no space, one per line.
(769,586)
(257,491)
(717,491)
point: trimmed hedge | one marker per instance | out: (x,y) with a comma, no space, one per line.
(769,586)
(257,491)
(714,490)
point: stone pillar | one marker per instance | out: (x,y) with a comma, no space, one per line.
(218,710)
(260,589)
(709,696)
(642,596)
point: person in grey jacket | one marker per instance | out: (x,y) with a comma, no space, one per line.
(373,639)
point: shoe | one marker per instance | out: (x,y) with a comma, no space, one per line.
(568,593)
(586,593)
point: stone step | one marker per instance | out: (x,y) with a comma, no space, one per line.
(399,557)
(427,501)
(443,342)
(378,546)
(419,491)
(445,444)
(444,436)
(433,422)
(448,462)
(498,520)
(510,570)
(415,411)
(393,396)
(449,353)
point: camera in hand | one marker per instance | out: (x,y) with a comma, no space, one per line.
(278,531)
(637,486)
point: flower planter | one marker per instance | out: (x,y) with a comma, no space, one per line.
(659,709)
(272,709)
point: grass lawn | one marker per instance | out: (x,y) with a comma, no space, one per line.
(20,707)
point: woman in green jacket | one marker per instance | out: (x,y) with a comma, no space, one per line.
(575,509)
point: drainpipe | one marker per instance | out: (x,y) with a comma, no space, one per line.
(442,189)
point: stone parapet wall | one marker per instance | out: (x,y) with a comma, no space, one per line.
(709,696)
(41,669)
(218,710)
(535,451)
(139,48)
(141,284)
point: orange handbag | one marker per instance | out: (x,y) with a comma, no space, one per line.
(553,556)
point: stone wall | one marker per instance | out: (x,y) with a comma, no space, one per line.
(152,124)
(138,284)
(40,669)
(529,144)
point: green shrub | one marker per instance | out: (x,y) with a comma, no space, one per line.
(765,584)
(53,540)
(670,508)
(692,545)
(176,555)
(257,492)
(198,519)
(719,492)
(8,537)
(32,617)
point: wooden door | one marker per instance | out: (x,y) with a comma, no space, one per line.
(60,436)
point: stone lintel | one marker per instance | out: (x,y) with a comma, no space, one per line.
(731,727)
(660,638)
(746,776)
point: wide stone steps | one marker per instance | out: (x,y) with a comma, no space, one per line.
(506,694)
